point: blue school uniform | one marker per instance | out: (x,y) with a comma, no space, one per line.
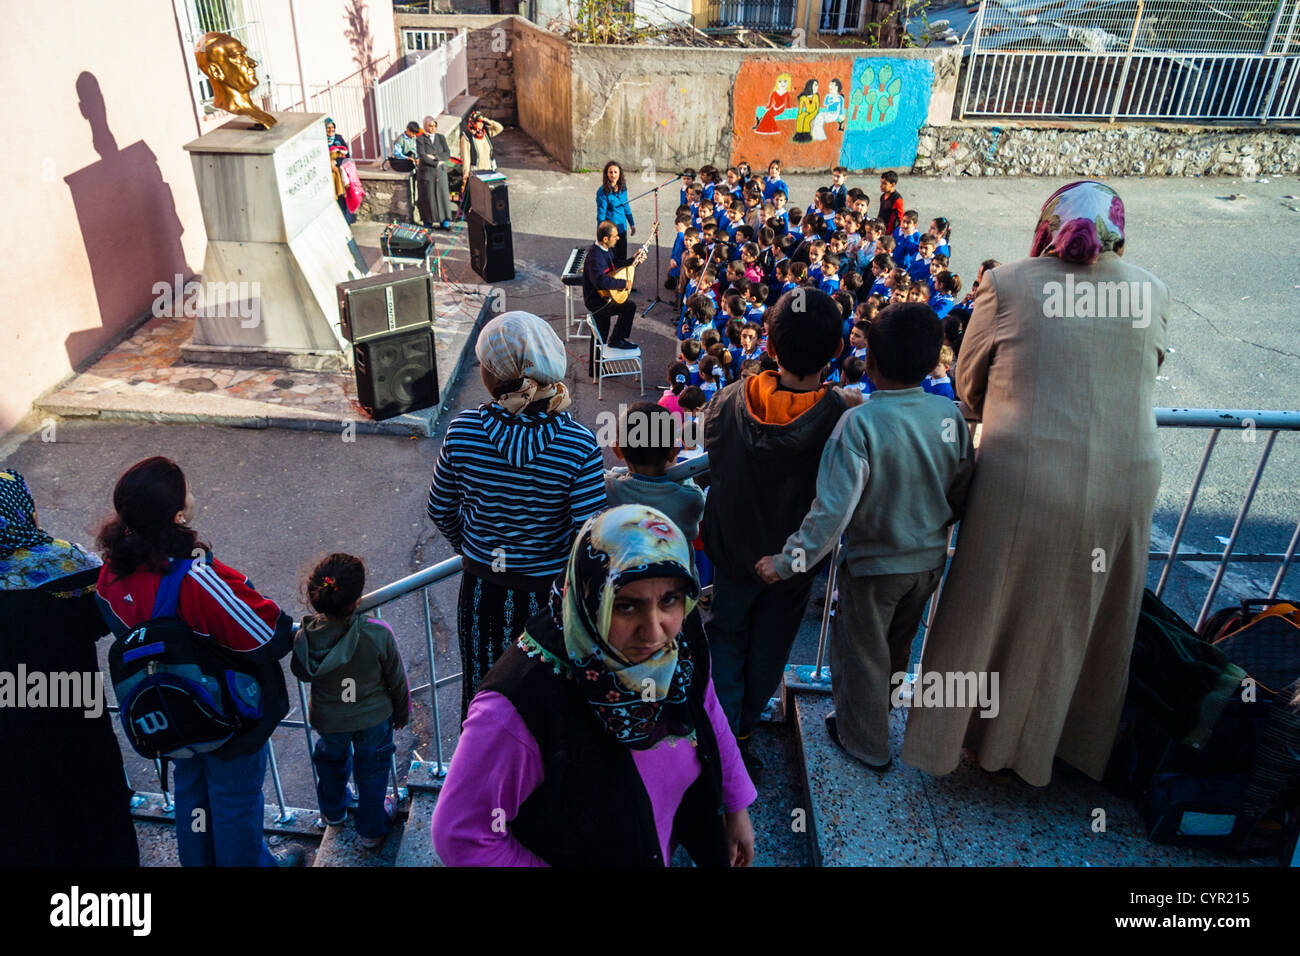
(939,386)
(815,274)
(788,287)
(754,312)
(707,192)
(692,373)
(829,284)
(839,196)
(863,385)
(942,250)
(679,246)
(942,304)
(772,186)
(905,247)
(919,269)
(879,288)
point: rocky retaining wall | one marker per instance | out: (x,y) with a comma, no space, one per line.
(1104,150)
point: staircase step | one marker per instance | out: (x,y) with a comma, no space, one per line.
(968,818)
(340,847)
(857,817)
(417,845)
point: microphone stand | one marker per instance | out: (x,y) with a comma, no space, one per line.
(655,189)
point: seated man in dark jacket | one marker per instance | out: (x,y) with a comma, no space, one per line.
(597,277)
(768,428)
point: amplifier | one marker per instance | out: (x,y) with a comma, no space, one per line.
(488,198)
(405,240)
(392,302)
(491,249)
(397,372)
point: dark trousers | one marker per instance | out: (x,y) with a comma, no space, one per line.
(751,631)
(620,315)
(871,640)
(365,755)
(490,616)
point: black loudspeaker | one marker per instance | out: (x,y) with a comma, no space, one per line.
(397,372)
(491,249)
(382,304)
(489,199)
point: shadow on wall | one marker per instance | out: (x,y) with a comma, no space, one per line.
(128,224)
(360,38)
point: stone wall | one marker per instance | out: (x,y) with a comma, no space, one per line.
(490,61)
(681,106)
(1079,149)
(543,65)
(388,195)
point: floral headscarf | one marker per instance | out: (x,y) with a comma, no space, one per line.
(639,704)
(1079,222)
(29,557)
(519,345)
(475,125)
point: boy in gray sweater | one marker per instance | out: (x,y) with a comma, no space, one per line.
(893,478)
(649,437)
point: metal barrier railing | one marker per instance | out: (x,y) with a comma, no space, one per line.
(1216,420)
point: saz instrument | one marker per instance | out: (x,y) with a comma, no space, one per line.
(619,296)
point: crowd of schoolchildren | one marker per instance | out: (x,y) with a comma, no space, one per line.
(740,246)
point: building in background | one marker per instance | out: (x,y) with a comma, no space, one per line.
(102,204)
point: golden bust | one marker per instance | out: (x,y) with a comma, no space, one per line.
(233,74)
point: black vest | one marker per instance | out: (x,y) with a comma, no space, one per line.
(592,808)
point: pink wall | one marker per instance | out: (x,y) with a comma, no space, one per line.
(332,33)
(100,198)
(100,202)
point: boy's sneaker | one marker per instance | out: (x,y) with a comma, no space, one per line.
(294,856)
(833,731)
(390,810)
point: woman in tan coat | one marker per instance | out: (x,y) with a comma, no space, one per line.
(1059,361)
(476,151)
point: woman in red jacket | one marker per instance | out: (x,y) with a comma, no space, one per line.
(219,802)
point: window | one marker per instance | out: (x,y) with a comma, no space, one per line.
(242,20)
(841,16)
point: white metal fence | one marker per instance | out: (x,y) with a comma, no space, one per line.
(425,88)
(416,40)
(350,103)
(1136,59)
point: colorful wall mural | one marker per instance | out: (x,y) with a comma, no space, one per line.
(857,112)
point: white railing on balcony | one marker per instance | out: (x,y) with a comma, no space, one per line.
(424,88)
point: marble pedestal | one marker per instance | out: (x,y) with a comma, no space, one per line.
(277,246)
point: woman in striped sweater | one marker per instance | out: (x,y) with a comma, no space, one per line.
(515,479)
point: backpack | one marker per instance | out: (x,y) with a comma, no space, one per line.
(180,694)
(1188,739)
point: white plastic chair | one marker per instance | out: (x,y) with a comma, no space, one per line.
(611,362)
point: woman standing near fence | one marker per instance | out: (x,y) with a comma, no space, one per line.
(598,739)
(515,479)
(476,151)
(1044,590)
(435,196)
(65,801)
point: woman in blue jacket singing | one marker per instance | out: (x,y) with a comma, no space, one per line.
(612,206)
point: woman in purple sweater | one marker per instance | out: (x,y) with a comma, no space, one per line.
(597,739)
